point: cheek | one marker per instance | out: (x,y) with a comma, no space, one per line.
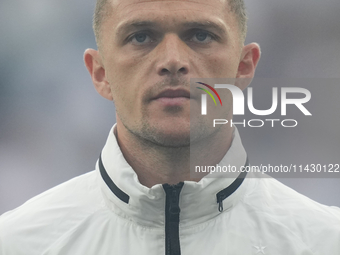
(223,66)
(123,76)
(221,62)
(121,69)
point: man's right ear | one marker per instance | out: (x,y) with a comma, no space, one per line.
(96,69)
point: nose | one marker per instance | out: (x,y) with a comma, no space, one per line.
(173,56)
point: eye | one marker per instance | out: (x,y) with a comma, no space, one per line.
(140,38)
(202,37)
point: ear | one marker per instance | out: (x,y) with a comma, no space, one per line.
(93,63)
(250,56)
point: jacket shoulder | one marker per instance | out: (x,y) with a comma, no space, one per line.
(32,226)
(314,224)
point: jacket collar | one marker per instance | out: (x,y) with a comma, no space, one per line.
(127,197)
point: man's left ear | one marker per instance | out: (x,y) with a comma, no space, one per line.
(249,58)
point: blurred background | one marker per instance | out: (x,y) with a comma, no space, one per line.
(53,124)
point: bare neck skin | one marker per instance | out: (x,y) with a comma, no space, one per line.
(156,164)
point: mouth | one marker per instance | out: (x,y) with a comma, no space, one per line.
(172,97)
(173,94)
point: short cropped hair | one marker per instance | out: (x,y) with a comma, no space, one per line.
(236,6)
(239,9)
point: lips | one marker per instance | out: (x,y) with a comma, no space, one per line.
(170,93)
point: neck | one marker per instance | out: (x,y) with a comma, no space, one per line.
(155,164)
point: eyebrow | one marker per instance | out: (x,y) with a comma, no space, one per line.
(133,25)
(138,24)
(205,25)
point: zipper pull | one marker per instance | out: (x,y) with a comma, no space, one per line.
(223,194)
(220,202)
(174,205)
(172,194)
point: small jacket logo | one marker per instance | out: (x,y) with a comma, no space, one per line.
(260,249)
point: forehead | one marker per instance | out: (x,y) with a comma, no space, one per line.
(121,4)
(165,11)
(124,3)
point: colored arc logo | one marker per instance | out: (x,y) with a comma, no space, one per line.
(211,88)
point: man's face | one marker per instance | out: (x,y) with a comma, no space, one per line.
(151,49)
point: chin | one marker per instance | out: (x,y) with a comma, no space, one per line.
(171,132)
(169,137)
(177,133)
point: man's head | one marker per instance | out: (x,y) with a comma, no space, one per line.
(149,50)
